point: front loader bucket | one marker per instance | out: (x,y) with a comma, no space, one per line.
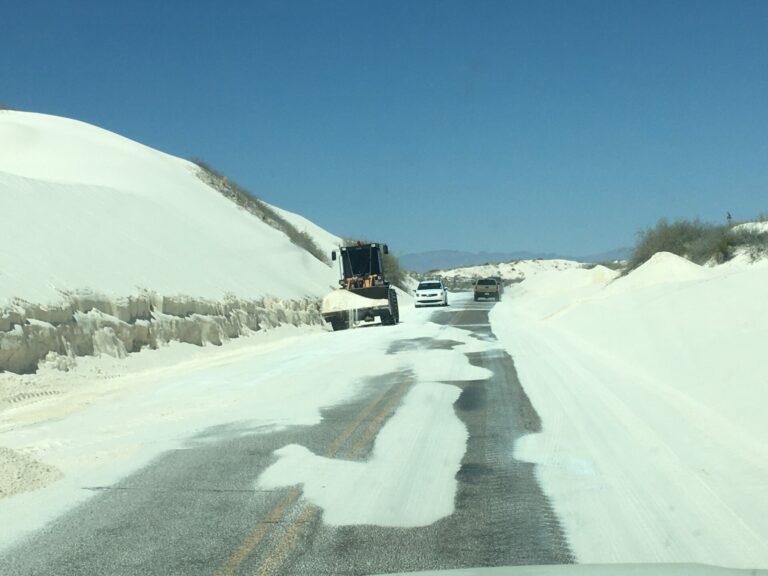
(373,292)
(343,308)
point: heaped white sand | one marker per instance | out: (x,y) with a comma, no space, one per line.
(82,208)
(652,390)
(124,412)
(20,473)
(515,270)
(759,227)
(345,300)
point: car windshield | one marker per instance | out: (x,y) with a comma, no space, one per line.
(343,287)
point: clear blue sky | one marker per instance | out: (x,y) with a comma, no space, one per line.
(547,126)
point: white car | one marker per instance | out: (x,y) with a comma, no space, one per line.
(431,293)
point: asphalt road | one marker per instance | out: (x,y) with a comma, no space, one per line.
(194,510)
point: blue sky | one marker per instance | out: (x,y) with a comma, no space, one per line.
(547,126)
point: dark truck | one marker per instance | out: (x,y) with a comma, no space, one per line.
(487,288)
(364,294)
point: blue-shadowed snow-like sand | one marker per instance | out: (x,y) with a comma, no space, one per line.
(104,238)
(652,392)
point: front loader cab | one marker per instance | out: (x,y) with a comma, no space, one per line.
(364,294)
(361,265)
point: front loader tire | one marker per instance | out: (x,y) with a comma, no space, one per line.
(391,317)
(395,307)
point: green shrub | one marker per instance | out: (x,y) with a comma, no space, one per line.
(754,242)
(697,241)
(395,273)
(259,208)
(665,237)
(715,243)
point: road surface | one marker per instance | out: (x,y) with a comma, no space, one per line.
(197,510)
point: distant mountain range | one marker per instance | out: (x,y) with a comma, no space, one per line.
(447,259)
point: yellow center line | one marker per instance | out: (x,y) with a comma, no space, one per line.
(334,448)
(377,422)
(258,533)
(280,553)
(278,556)
(252,540)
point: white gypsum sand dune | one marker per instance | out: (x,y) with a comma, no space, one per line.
(514,270)
(85,209)
(652,391)
(326,241)
(110,246)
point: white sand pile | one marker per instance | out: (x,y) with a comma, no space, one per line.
(652,391)
(662,267)
(20,473)
(86,209)
(339,300)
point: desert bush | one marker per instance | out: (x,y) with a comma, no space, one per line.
(714,244)
(304,240)
(671,237)
(258,207)
(697,241)
(395,273)
(754,242)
